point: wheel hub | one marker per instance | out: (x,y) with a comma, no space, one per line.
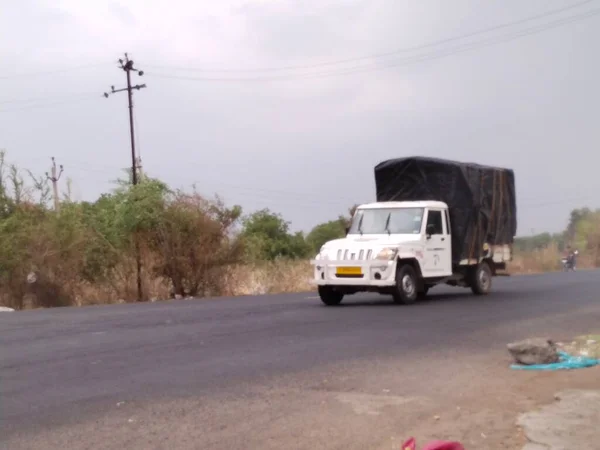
(484,279)
(407,285)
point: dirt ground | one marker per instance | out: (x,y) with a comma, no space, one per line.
(352,406)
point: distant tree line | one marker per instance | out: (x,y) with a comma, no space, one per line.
(582,233)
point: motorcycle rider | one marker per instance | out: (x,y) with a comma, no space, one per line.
(570,257)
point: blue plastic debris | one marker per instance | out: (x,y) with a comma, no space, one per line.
(566,362)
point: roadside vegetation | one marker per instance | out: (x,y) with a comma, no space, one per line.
(189,245)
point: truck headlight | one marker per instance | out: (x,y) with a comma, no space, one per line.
(387,254)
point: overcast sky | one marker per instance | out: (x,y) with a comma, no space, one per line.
(304,141)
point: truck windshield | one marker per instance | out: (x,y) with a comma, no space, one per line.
(387,220)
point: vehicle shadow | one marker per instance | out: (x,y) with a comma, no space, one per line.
(386,300)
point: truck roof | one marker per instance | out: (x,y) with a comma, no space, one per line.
(419,204)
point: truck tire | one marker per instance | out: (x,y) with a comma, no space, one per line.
(481,279)
(406,290)
(330,296)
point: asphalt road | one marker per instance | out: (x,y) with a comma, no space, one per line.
(61,366)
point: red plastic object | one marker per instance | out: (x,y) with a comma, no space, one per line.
(411,444)
(443,445)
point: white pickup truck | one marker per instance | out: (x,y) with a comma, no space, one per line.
(403,249)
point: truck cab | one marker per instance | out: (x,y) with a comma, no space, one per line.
(398,248)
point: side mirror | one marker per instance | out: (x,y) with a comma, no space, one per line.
(429,230)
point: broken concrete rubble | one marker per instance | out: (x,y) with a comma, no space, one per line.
(534,351)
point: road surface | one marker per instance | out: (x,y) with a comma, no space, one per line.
(183,373)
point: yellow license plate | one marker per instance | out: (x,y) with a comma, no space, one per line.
(348,271)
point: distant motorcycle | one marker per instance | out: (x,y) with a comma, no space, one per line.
(570,263)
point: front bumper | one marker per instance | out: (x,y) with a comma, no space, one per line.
(372,273)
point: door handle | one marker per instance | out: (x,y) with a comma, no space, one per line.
(443,239)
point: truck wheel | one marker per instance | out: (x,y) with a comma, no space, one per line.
(481,282)
(330,296)
(406,291)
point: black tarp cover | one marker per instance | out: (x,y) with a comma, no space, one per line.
(481,199)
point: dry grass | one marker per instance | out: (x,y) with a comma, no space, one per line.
(256,279)
(545,260)
(269,278)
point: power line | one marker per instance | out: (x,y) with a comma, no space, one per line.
(402,62)
(268,197)
(113,168)
(50,72)
(308,197)
(383,54)
(326,63)
(109,168)
(44,105)
(349,70)
(460,49)
(255,192)
(37,99)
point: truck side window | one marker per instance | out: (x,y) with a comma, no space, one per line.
(435,218)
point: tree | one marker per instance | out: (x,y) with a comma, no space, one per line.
(266,237)
(334,229)
(324,232)
(586,235)
(576,216)
(537,242)
(193,237)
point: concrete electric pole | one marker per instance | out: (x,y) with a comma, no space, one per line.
(140,172)
(127,66)
(54,178)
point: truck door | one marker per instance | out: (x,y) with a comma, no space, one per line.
(438,259)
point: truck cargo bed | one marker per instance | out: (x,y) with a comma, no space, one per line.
(481,199)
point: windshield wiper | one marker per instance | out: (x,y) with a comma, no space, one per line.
(360,224)
(387,224)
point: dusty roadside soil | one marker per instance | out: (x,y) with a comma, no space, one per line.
(375,404)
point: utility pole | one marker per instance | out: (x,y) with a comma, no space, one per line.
(140,171)
(54,178)
(127,66)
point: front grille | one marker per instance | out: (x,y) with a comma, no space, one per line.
(354,255)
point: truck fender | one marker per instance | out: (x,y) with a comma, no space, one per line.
(412,260)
